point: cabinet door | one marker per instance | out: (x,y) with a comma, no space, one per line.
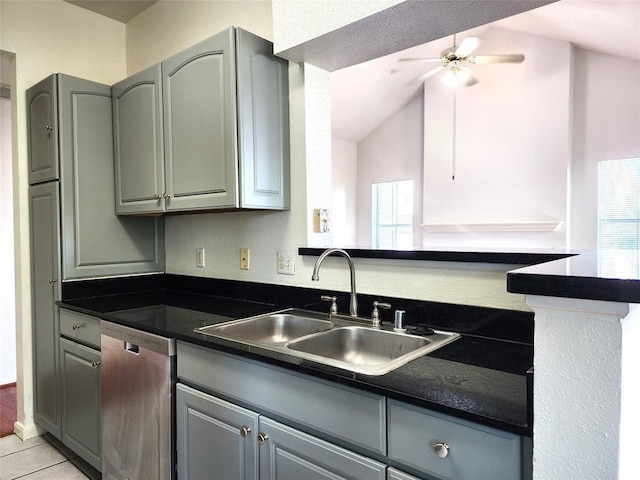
(81,416)
(138,148)
(43,131)
(290,454)
(96,241)
(393,474)
(215,439)
(263,120)
(200,125)
(45,254)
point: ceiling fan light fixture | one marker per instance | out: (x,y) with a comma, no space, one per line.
(456,75)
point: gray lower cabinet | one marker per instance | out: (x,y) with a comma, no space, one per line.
(309,428)
(217,439)
(45,289)
(448,448)
(206,129)
(287,453)
(79,380)
(395,474)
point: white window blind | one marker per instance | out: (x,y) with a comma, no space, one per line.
(392,214)
(619,211)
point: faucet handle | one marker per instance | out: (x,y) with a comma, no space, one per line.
(334,306)
(375,315)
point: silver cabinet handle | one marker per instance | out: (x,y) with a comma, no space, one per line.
(157,197)
(244,431)
(165,195)
(52,280)
(76,326)
(48,128)
(95,364)
(441,449)
(262,438)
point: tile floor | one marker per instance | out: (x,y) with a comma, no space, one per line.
(34,459)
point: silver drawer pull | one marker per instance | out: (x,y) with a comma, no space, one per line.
(76,326)
(52,280)
(441,449)
(95,364)
(262,438)
(48,128)
(244,431)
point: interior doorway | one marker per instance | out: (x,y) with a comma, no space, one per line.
(8,354)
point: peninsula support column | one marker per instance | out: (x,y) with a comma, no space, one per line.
(586,389)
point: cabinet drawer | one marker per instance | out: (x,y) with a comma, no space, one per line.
(473,452)
(81,328)
(352,416)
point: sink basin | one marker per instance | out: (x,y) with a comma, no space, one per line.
(366,350)
(340,342)
(269,329)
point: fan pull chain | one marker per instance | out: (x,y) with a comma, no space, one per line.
(453,163)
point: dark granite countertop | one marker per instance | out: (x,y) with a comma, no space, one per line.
(475,378)
(612,275)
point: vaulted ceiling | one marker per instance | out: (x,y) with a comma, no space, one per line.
(365,95)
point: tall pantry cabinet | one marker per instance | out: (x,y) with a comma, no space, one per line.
(75,232)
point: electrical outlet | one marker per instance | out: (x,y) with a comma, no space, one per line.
(244,259)
(200,257)
(286,263)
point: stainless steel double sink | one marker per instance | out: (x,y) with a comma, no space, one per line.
(339,341)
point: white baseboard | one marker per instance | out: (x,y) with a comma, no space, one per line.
(26,432)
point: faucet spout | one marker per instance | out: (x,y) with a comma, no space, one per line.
(315,276)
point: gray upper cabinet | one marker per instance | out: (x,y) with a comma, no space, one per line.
(138,145)
(96,242)
(263,119)
(43,131)
(200,125)
(224,130)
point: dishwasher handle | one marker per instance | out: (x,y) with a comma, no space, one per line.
(136,340)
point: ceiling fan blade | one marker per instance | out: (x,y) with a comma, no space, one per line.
(467,46)
(424,60)
(424,76)
(470,81)
(515,58)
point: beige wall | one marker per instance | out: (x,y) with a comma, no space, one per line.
(47,37)
(170,26)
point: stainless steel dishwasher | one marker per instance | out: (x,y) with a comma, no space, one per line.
(137,373)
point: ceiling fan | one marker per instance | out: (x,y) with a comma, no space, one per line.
(455,62)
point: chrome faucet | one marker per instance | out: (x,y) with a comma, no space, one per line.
(353,303)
